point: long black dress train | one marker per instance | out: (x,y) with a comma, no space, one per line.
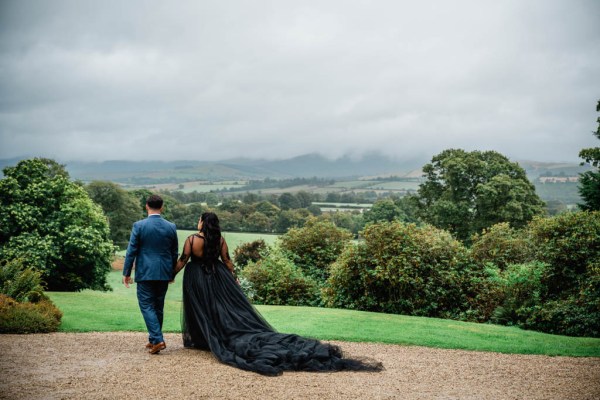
(218,317)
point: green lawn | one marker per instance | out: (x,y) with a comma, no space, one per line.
(234,239)
(118,311)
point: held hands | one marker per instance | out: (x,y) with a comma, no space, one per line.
(126,281)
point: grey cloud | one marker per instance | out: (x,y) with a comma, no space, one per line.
(213,80)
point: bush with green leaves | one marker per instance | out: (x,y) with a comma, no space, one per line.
(502,245)
(53,224)
(543,277)
(275,280)
(570,244)
(27,317)
(577,314)
(521,293)
(20,283)
(314,247)
(402,269)
(484,293)
(248,252)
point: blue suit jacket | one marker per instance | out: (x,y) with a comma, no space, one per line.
(153,247)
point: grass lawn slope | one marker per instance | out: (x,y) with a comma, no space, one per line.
(92,311)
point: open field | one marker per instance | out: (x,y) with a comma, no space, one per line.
(338,186)
(234,239)
(395,186)
(198,186)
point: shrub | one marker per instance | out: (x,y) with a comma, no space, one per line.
(248,252)
(15,317)
(502,245)
(20,283)
(576,314)
(521,293)
(315,246)
(570,244)
(404,269)
(276,280)
(557,293)
(484,293)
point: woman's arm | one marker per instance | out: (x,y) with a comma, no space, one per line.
(185,255)
(225,257)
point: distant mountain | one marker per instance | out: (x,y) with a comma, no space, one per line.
(310,165)
(305,166)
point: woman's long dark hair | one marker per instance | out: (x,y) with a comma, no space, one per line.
(212,235)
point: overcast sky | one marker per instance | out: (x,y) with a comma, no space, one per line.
(212,80)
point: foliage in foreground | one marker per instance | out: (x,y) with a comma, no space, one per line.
(248,252)
(314,247)
(19,282)
(545,277)
(24,308)
(40,317)
(274,279)
(401,269)
(52,222)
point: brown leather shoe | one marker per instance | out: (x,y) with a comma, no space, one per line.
(148,345)
(155,349)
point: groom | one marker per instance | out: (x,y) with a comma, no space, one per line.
(153,247)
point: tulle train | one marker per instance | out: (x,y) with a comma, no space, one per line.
(217,316)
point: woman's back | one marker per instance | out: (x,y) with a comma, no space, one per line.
(196,247)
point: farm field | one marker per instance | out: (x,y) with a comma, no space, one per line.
(349,185)
(396,185)
(234,239)
(198,186)
(342,207)
(566,192)
(239,186)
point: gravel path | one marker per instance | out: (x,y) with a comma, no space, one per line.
(115,365)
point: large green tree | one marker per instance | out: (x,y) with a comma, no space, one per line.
(391,209)
(52,223)
(288,201)
(589,183)
(465,192)
(120,207)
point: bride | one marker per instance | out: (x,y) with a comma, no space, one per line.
(218,317)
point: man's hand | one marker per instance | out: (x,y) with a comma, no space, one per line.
(126,281)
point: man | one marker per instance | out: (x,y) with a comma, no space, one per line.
(153,247)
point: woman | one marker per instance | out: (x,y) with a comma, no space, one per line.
(218,317)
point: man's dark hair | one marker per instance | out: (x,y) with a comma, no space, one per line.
(155,202)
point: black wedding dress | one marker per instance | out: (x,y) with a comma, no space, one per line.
(218,317)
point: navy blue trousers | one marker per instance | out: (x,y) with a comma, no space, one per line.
(151,298)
